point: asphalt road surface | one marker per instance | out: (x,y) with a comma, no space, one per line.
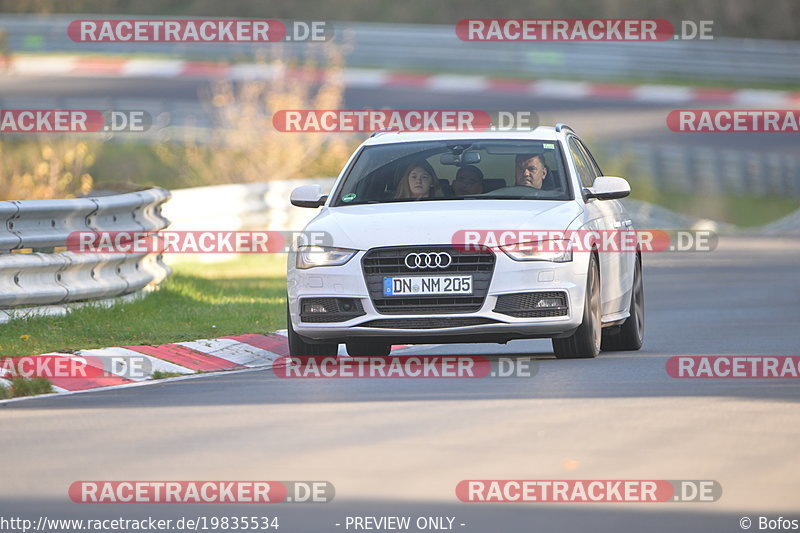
(399,447)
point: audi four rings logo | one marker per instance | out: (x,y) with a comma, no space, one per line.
(428,260)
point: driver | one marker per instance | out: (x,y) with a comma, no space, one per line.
(530,170)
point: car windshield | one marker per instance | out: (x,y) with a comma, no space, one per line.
(455,170)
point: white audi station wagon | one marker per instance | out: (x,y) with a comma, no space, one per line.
(398,271)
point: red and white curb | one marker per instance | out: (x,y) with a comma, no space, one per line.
(235,353)
(366,78)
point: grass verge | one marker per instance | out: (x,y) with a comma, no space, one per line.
(161,374)
(25,387)
(242,295)
(741,211)
(744,211)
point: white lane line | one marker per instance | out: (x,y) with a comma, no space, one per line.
(454,83)
(663,93)
(561,89)
(254,71)
(54,65)
(364,78)
(158,68)
(760,97)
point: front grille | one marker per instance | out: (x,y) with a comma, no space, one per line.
(386,262)
(427,323)
(335,309)
(523,305)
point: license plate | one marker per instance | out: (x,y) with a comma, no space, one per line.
(421,285)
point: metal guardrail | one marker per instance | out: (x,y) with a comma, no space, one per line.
(437,48)
(719,171)
(246,206)
(47,276)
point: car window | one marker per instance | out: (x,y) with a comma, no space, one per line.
(590,159)
(382,173)
(585,170)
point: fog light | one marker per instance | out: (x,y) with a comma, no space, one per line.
(345,305)
(549,302)
(314,308)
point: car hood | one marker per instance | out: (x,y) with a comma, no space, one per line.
(362,227)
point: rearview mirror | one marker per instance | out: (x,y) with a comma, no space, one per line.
(308,196)
(608,188)
(466,158)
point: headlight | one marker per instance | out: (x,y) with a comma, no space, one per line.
(316,256)
(556,251)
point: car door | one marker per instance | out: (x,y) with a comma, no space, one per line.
(604,216)
(627,259)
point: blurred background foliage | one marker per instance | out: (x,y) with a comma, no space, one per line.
(45,167)
(245,148)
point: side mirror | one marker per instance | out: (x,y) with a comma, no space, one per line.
(608,188)
(308,196)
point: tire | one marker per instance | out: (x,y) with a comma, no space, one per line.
(585,342)
(368,348)
(630,335)
(298,346)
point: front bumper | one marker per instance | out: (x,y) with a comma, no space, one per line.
(485,324)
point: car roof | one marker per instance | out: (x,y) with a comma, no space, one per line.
(542,133)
